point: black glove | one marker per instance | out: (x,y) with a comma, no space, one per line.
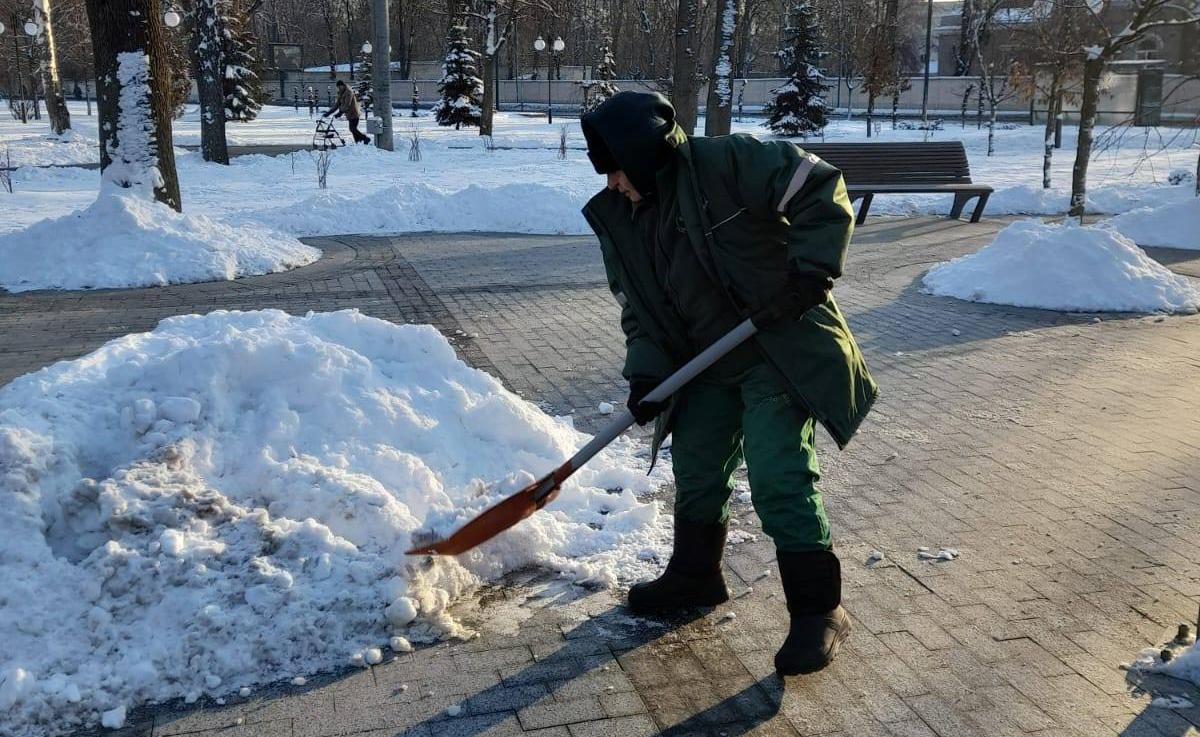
(801,293)
(325,115)
(643,412)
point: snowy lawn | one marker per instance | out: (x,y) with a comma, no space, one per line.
(225,502)
(1064,267)
(282,191)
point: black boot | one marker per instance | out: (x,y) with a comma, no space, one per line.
(693,576)
(812,583)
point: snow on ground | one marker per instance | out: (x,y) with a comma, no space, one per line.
(1064,267)
(255,187)
(1175,224)
(121,240)
(225,501)
(1184,665)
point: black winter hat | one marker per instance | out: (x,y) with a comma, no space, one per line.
(628,132)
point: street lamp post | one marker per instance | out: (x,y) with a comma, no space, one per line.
(557,48)
(381,75)
(928,59)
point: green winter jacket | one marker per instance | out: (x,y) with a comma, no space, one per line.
(749,207)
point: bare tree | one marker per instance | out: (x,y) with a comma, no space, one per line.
(717,118)
(1144,17)
(135,120)
(684,83)
(495,36)
(56,105)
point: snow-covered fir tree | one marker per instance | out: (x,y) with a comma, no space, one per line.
(461,87)
(799,106)
(600,87)
(243,87)
(362,90)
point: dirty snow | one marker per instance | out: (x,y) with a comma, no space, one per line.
(1185,665)
(224,501)
(1063,267)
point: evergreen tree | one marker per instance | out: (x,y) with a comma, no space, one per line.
(600,87)
(799,107)
(362,90)
(243,87)
(461,87)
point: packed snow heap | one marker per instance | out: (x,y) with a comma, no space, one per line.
(123,240)
(226,501)
(1064,267)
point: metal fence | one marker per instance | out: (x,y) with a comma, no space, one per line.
(1117,101)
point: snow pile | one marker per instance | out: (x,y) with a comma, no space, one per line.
(225,501)
(122,240)
(1185,665)
(1176,225)
(1028,199)
(1063,267)
(416,207)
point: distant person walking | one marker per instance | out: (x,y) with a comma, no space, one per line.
(347,104)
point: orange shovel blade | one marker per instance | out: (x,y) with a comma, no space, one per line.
(491,522)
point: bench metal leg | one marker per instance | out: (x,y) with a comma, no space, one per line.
(978,213)
(960,201)
(864,207)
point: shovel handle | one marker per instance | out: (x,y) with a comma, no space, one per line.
(669,386)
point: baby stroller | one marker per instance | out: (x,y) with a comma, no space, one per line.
(326,136)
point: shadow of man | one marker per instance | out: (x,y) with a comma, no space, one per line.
(593,646)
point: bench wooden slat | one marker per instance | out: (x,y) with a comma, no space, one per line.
(905,167)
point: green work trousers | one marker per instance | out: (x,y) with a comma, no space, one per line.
(740,410)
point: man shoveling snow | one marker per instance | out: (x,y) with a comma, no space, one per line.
(697,234)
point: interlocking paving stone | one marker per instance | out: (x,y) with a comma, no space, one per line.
(1059,454)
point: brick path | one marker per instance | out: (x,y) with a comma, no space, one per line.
(1059,454)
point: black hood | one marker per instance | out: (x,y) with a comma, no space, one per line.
(628,132)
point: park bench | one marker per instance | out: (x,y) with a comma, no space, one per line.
(904,168)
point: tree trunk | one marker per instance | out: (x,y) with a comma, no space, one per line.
(720,89)
(350,36)
(210,73)
(135,126)
(991,126)
(967,39)
(870,111)
(56,105)
(489,60)
(1083,147)
(487,107)
(327,13)
(895,103)
(684,87)
(1048,138)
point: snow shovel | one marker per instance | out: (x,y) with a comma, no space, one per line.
(510,511)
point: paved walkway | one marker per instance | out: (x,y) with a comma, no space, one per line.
(1060,454)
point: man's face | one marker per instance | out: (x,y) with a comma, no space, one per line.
(618,181)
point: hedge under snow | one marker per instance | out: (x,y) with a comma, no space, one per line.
(1064,267)
(124,240)
(225,501)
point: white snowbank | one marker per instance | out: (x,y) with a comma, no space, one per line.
(225,501)
(121,240)
(1027,199)
(416,207)
(1063,267)
(1176,225)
